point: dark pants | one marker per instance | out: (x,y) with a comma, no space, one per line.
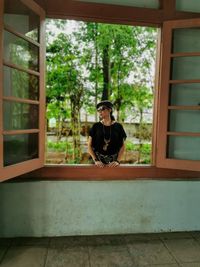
(106,159)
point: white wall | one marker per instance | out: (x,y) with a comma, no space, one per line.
(61,208)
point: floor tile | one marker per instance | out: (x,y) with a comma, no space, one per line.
(185,250)
(196,234)
(132,237)
(24,257)
(150,252)
(110,256)
(193,264)
(176,235)
(164,265)
(2,252)
(67,257)
(30,241)
(106,240)
(68,241)
(5,241)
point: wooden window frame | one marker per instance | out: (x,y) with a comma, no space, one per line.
(119,15)
(124,172)
(162,160)
(29,165)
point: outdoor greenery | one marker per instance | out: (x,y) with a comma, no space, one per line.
(89,62)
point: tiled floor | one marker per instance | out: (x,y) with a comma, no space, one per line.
(134,250)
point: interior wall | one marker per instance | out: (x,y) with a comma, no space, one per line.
(51,208)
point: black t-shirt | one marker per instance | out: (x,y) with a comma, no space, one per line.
(115,132)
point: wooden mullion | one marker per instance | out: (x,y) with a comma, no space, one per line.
(42,96)
(156,97)
(186,54)
(184,107)
(13,132)
(14,66)
(163,95)
(161,4)
(183,134)
(21,100)
(169,7)
(34,7)
(28,39)
(184,81)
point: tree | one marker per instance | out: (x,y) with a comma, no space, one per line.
(65,85)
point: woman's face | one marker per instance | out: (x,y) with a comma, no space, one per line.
(104,112)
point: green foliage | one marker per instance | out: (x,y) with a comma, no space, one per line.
(144,149)
(146,153)
(60,146)
(130,146)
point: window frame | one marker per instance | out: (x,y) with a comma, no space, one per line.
(124,172)
(165,107)
(13,170)
(130,16)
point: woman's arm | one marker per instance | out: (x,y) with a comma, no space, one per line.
(121,152)
(92,154)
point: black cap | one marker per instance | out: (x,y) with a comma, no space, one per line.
(105,103)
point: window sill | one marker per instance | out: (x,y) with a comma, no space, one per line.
(92,173)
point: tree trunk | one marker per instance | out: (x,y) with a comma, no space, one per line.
(96,70)
(106,73)
(140,136)
(75,126)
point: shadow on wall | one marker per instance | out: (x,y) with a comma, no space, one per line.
(22,205)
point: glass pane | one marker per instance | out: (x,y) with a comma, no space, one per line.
(133,3)
(184,68)
(185,94)
(185,5)
(20,84)
(19,148)
(20,52)
(22,19)
(184,121)
(18,116)
(184,147)
(186,40)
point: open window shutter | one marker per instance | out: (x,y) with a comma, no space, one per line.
(22,100)
(178,143)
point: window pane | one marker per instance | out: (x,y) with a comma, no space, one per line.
(21,19)
(184,68)
(190,6)
(20,84)
(184,121)
(185,94)
(20,52)
(184,147)
(186,40)
(18,116)
(19,148)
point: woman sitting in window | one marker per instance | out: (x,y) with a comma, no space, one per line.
(106,138)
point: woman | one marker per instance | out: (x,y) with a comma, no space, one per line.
(106,138)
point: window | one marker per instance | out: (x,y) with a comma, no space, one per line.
(172,105)
(179,115)
(88,61)
(22,84)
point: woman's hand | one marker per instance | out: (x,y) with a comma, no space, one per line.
(114,164)
(99,164)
